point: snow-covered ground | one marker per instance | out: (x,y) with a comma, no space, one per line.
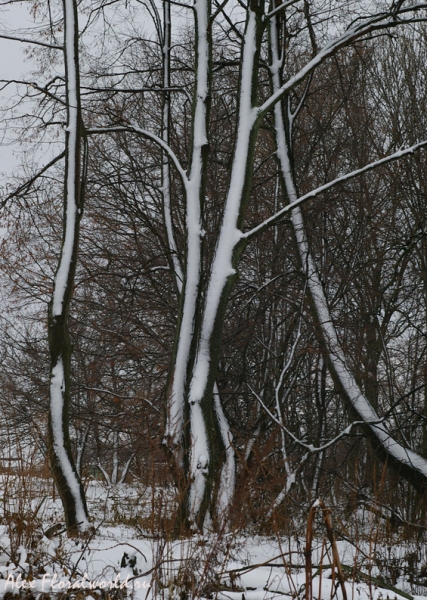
(123,557)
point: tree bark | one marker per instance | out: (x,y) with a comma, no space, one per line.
(64,471)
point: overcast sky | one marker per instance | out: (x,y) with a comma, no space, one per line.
(12,66)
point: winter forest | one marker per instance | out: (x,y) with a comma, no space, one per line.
(213,290)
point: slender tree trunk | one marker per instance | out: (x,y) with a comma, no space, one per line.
(321,411)
(62,463)
(227,479)
(172,250)
(186,336)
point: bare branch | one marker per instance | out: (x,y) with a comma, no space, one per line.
(375,23)
(309,447)
(26,186)
(149,136)
(27,41)
(280,8)
(111,393)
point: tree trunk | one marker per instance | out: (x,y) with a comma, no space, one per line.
(197,432)
(191,289)
(406,462)
(64,471)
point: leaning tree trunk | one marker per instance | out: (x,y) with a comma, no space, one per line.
(405,461)
(62,463)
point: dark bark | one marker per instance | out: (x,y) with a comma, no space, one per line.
(62,463)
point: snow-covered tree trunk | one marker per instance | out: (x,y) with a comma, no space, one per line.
(407,462)
(227,477)
(62,463)
(206,440)
(184,347)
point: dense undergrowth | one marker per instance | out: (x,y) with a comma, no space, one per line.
(132,550)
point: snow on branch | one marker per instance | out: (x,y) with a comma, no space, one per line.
(309,447)
(374,23)
(323,188)
(148,135)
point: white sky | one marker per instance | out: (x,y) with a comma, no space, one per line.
(13,65)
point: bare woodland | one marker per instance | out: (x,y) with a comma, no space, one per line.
(214,260)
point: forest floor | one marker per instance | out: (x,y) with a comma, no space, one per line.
(126,557)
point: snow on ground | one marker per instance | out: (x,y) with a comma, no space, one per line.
(127,560)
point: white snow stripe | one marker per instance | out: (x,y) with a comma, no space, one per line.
(193,186)
(62,275)
(227,482)
(57,388)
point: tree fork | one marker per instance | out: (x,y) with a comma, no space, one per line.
(206,444)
